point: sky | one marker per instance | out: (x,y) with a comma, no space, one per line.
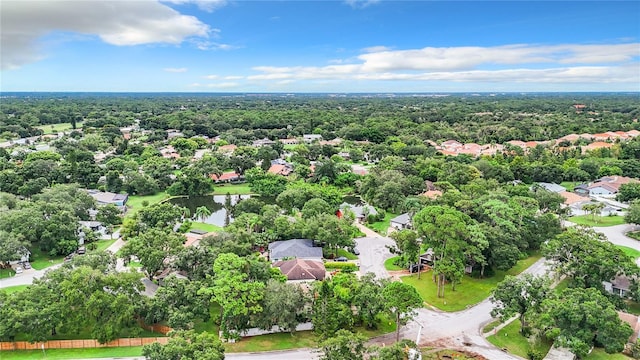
(329,46)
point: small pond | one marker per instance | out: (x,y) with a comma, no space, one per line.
(215,203)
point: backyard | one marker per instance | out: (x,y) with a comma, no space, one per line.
(381,227)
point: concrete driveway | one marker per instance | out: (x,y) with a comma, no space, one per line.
(373,252)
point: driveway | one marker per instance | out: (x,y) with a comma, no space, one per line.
(26,278)
(373,252)
(616,235)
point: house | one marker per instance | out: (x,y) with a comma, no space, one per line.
(229,176)
(596,145)
(402,221)
(633,133)
(551,187)
(193,237)
(432,194)
(104,197)
(169,272)
(262,142)
(93,225)
(359,169)
(289,141)
(607,186)
(173,133)
(227,149)
(278,169)
(360,211)
(572,198)
(309,138)
(302,269)
(294,249)
(619,285)
(451,144)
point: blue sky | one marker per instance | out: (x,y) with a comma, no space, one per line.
(319,46)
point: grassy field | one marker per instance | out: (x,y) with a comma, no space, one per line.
(280,341)
(12,289)
(381,226)
(56,128)
(390,266)
(204,227)
(629,251)
(233,189)
(102,245)
(469,292)
(492,325)
(569,185)
(600,221)
(72,353)
(6,273)
(509,337)
(135,201)
(41,260)
(600,354)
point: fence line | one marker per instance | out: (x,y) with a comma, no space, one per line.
(79,344)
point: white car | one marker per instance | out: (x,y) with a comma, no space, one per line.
(19,270)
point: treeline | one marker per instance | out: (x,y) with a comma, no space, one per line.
(483,119)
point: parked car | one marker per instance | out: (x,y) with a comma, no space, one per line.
(19,270)
(341,258)
(356,251)
(69,257)
(81,250)
(27,265)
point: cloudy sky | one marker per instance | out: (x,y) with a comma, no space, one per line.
(319,46)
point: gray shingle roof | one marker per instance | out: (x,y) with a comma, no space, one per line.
(296,248)
(402,219)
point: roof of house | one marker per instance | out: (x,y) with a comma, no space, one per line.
(634,322)
(295,248)
(107,197)
(302,269)
(225,176)
(552,187)
(279,169)
(432,194)
(572,198)
(621,282)
(359,210)
(227,148)
(612,183)
(403,219)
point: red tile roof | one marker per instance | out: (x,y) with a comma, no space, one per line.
(225,177)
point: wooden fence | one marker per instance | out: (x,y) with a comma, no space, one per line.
(78,344)
(162,329)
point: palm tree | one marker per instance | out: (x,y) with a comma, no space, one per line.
(202,213)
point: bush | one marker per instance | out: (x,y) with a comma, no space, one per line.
(145,203)
(533,354)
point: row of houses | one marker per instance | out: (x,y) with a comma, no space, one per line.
(600,140)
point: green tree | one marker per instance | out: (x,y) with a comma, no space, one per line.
(232,290)
(407,247)
(153,248)
(581,318)
(283,304)
(343,345)
(109,215)
(186,345)
(519,295)
(629,192)
(401,301)
(633,213)
(202,213)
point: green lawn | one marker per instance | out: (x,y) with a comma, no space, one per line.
(233,189)
(134,264)
(204,227)
(599,222)
(134,203)
(381,227)
(509,337)
(469,292)
(281,341)
(633,307)
(629,251)
(114,352)
(40,260)
(390,266)
(56,128)
(492,325)
(6,273)
(102,245)
(569,185)
(338,253)
(600,354)
(12,289)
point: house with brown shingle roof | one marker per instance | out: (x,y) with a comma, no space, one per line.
(225,177)
(302,269)
(596,145)
(227,149)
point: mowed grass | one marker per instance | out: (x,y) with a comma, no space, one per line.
(509,338)
(633,253)
(600,221)
(600,354)
(102,245)
(381,227)
(114,352)
(469,291)
(134,204)
(281,341)
(390,266)
(41,260)
(56,128)
(233,189)
(205,227)
(13,289)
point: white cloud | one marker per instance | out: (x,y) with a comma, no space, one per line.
(210,45)
(222,85)
(233,77)
(378,48)
(360,4)
(175,70)
(116,22)
(569,63)
(211,77)
(206,5)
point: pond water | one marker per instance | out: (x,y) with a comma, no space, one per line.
(215,203)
